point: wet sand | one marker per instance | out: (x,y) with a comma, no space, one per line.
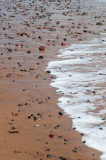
(26,98)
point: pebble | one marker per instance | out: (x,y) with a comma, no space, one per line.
(61,113)
(40,57)
(51,135)
(42,48)
(62,158)
(13,127)
(16,151)
(36,125)
(49,156)
(29,51)
(75,149)
(35,118)
(57,127)
(63,44)
(20,105)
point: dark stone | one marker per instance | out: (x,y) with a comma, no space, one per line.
(13,127)
(29,117)
(35,118)
(84,141)
(99,23)
(62,158)
(61,113)
(49,156)
(20,105)
(48,71)
(57,127)
(40,57)
(29,51)
(9,50)
(101,128)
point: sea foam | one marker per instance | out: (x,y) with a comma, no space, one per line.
(80,79)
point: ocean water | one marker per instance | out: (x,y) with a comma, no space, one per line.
(81,82)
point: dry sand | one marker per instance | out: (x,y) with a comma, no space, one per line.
(26,98)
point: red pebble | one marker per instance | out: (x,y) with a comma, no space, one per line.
(16,114)
(17,45)
(51,135)
(8,75)
(33,101)
(42,48)
(63,44)
(24,33)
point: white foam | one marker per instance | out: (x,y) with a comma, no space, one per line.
(80,78)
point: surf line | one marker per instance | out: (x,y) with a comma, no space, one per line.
(80,81)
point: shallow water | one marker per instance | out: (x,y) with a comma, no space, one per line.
(81,80)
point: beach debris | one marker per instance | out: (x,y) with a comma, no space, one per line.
(51,135)
(42,48)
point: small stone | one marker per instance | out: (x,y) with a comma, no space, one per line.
(99,23)
(35,118)
(40,57)
(57,127)
(101,128)
(62,158)
(49,156)
(51,135)
(42,48)
(84,141)
(48,71)
(61,113)
(20,105)
(16,151)
(9,50)
(63,44)
(13,127)
(29,51)
(75,149)
(29,117)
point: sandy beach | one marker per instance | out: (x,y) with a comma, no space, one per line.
(32,126)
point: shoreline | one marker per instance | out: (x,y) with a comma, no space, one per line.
(26,96)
